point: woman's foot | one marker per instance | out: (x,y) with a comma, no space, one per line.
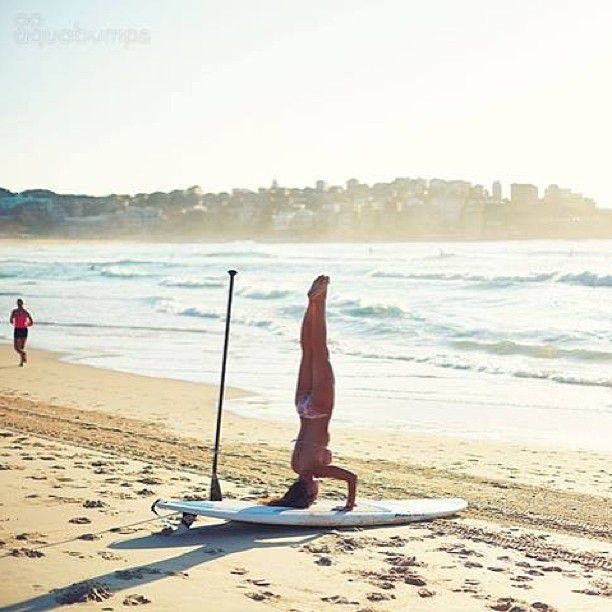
(318,290)
(315,287)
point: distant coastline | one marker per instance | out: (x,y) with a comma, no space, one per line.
(405,209)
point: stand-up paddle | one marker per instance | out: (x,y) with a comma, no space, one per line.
(215,487)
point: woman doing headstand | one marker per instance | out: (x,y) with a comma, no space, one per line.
(314,401)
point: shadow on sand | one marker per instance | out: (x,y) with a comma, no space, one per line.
(210,543)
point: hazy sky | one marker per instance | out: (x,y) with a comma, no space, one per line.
(236,93)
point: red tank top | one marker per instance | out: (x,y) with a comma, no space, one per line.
(21,319)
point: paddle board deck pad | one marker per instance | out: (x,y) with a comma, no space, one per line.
(321,514)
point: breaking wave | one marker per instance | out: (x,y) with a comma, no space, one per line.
(197,312)
(456,362)
(271,294)
(445,276)
(187,283)
(118,272)
(587,279)
(540,351)
(154,328)
(568,380)
(358,309)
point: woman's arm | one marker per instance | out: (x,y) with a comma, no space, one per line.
(30,317)
(12,317)
(331,471)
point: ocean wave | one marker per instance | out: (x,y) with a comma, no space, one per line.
(90,263)
(456,362)
(270,294)
(261,323)
(132,262)
(357,308)
(118,272)
(154,328)
(376,311)
(170,306)
(567,380)
(338,301)
(540,351)
(588,279)
(192,311)
(446,276)
(187,283)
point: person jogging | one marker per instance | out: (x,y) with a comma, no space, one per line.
(21,319)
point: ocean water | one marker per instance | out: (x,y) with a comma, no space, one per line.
(490,340)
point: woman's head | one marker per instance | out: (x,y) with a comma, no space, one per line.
(301,494)
(19,303)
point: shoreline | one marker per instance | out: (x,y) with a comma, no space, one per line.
(189,409)
(288,426)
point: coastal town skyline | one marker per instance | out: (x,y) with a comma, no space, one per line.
(503,189)
(404,209)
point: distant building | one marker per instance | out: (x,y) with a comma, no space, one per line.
(523,194)
(552,195)
(496,192)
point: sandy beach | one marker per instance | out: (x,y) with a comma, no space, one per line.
(85,451)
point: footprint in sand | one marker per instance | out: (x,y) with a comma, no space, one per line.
(375,597)
(84,592)
(33,537)
(324,561)
(27,552)
(338,599)
(109,556)
(262,595)
(135,599)
(93,503)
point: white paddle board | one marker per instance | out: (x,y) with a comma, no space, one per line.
(322,514)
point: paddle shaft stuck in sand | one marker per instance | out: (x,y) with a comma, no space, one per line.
(215,487)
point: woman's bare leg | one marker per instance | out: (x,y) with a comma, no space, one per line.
(18,346)
(304,381)
(322,373)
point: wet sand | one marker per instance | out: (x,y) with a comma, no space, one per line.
(84,452)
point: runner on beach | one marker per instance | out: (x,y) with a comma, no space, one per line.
(21,319)
(314,401)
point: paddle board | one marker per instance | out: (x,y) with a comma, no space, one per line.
(322,514)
